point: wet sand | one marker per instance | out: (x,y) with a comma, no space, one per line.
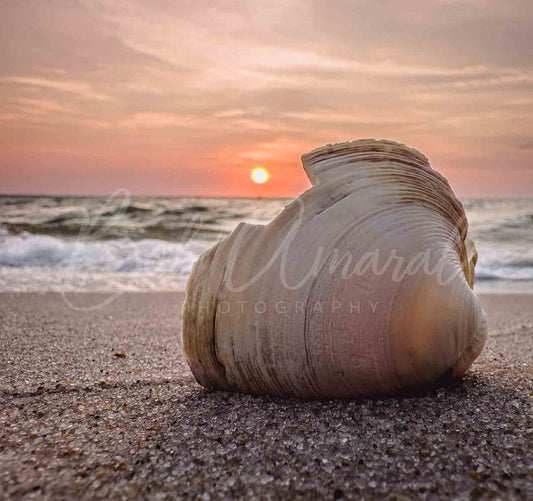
(100,404)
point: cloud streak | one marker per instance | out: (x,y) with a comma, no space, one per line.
(81,89)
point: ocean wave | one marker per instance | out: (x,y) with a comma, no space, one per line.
(155,255)
(506,267)
(503,274)
(62,218)
(128,209)
(172,212)
(151,235)
(167,230)
(197,208)
(119,255)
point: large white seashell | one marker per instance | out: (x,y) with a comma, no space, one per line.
(318,303)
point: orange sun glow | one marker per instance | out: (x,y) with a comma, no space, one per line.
(259,175)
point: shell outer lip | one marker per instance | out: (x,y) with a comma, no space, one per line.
(355,144)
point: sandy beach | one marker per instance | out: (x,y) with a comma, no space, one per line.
(101,404)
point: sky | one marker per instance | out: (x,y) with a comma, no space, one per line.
(175,97)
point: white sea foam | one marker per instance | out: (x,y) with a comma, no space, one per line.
(120,255)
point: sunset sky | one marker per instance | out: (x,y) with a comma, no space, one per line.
(170,97)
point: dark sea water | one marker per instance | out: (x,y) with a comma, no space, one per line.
(150,243)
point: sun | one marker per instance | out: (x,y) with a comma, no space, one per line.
(259,175)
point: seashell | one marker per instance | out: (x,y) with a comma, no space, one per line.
(361,286)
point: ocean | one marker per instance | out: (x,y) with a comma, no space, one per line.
(67,243)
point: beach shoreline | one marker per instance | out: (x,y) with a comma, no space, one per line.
(97,401)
